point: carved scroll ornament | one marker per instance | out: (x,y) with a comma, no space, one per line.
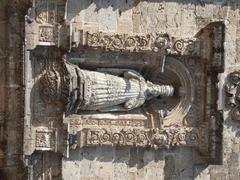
(156,138)
(152,42)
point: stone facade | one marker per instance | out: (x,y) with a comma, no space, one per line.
(191,45)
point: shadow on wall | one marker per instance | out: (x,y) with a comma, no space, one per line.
(42,56)
(2,175)
(76,6)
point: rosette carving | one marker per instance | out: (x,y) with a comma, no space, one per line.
(106,40)
(130,42)
(162,41)
(94,138)
(106,137)
(186,46)
(130,137)
(179,45)
(143,41)
(117,42)
(156,138)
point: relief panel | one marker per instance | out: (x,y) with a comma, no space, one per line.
(164,101)
(46,139)
(152,42)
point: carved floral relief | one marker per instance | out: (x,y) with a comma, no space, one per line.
(153,42)
(156,138)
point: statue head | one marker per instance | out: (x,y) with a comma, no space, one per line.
(154,90)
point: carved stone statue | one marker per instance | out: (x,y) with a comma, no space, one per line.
(107,89)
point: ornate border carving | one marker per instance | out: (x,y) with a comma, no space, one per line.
(152,42)
(156,138)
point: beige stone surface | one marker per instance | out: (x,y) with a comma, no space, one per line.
(181,19)
(23,57)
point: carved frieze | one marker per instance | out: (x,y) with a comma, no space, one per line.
(156,138)
(118,42)
(152,42)
(185,47)
(106,122)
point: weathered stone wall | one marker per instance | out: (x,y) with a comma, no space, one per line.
(11,89)
(3,45)
(183,18)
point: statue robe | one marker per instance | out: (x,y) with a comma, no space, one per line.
(109,90)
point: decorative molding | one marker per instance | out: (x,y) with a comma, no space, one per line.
(106,122)
(152,42)
(218,48)
(156,138)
